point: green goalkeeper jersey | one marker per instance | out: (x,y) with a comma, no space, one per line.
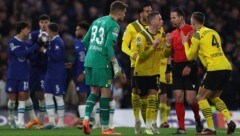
(99,42)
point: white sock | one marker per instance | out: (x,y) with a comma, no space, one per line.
(50,107)
(60,110)
(97,114)
(21,111)
(81,110)
(42,109)
(29,108)
(11,106)
(112,105)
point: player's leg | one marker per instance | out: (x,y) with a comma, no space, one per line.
(136,103)
(11,90)
(97,111)
(221,106)
(203,95)
(41,102)
(22,97)
(23,91)
(50,105)
(82,96)
(178,92)
(59,89)
(112,106)
(31,112)
(163,105)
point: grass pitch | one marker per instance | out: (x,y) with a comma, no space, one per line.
(70,131)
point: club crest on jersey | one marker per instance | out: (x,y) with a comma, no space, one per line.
(21,59)
(115,31)
(138,40)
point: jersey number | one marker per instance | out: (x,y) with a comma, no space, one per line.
(214,41)
(98,38)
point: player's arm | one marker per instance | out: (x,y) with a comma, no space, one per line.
(110,41)
(191,50)
(167,48)
(56,52)
(20,52)
(126,41)
(141,44)
(86,39)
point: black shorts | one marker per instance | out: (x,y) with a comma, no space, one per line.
(166,88)
(216,80)
(144,83)
(189,82)
(133,78)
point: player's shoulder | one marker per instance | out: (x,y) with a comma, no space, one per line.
(36,32)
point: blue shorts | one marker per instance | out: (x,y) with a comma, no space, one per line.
(82,87)
(36,81)
(55,86)
(15,86)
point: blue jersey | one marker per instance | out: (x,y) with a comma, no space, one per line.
(55,53)
(80,53)
(38,61)
(18,52)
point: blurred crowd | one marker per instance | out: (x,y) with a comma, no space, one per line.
(221,15)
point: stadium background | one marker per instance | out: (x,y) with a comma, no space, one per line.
(221,15)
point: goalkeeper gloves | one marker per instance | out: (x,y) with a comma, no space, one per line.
(116,68)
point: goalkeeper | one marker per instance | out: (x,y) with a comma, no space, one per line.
(99,42)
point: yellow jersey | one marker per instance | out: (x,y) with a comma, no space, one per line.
(129,39)
(163,67)
(148,59)
(206,43)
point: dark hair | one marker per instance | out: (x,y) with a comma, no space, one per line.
(44,17)
(117,6)
(142,6)
(179,11)
(53,27)
(84,25)
(20,26)
(152,15)
(199,17)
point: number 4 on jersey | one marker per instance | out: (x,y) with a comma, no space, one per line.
(214,41)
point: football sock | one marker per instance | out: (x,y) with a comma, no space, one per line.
(104,105)
(207,113)
(60,110)
(50,107)
(29,108)
(222,108)
(136,105)
(180,111)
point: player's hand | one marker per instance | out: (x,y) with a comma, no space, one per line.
(123,78)
(169,38)
(68,65)
(81,77)
(167,77)
(41,49)
(185,38)
(116,68)
(156,43)
(135,54)
(186,71)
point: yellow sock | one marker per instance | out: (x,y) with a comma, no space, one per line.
(144,108)
(162,109)
(154,118)
(136,105)
(207,113)
(221,106)
(167,108)
(151,109)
